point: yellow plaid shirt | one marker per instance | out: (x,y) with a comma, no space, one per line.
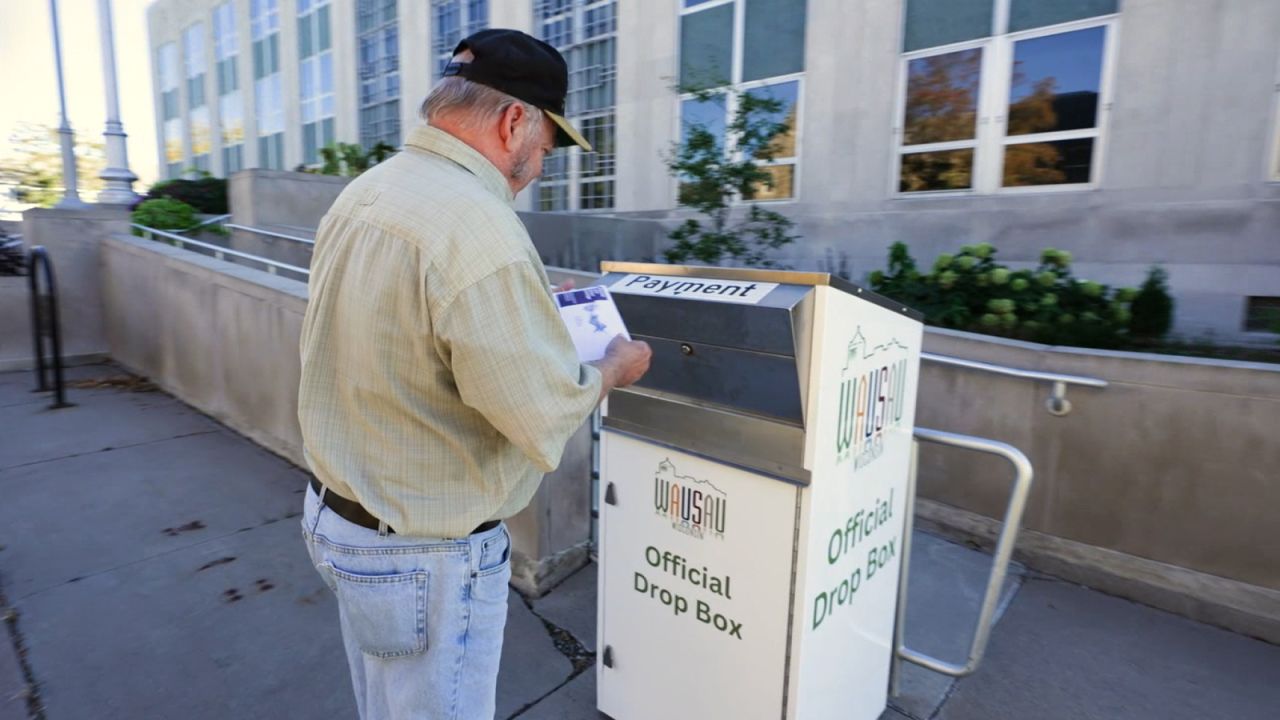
(438,381)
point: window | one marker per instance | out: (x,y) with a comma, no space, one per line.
(1262,314)
(746,47)
(315,78)
(264,21)
(231,117)
(1002,95)
(230,101)
(585,32)
(378,40)
(170,112)
(452,21)
(194,69)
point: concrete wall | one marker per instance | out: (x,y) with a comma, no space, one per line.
(73,238)
(1174,463)
(224,338)
(293,203)
(582,241)
(272,198)
(15,324)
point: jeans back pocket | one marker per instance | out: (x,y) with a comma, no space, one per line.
(386,615)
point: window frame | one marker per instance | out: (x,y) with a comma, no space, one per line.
(378,120)
(991,141)
(575,176)
(311,75)
(263,25)
(195,73)
(172,128)
(733,92)
(226,49)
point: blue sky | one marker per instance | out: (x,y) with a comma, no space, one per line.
(1074,59)
(26,53)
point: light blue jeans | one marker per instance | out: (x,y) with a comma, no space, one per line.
(422,618)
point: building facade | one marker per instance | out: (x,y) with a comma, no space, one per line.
(1129,132)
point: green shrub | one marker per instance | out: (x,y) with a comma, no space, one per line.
(349,159)
(206,195)
(1152,308)
(164,214)
(969,290)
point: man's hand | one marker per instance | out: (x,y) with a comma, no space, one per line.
(624,362)
(565,286)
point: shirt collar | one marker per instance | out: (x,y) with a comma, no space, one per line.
(439,142)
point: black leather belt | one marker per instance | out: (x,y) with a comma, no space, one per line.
(354,512)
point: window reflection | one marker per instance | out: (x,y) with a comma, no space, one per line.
(781,184)
(708,113)
(942,97)
(783,143)
(946,170)
(1048,163)
(1056,81)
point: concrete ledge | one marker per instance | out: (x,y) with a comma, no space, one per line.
(1229,604)
(534,578)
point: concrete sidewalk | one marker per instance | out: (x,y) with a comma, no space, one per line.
(151,566)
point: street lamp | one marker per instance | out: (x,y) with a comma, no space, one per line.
(71,196)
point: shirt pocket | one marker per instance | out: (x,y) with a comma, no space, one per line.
(386,615)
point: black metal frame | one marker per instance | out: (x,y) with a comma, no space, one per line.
(45,323)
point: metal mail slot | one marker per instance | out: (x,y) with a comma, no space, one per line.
(730,369)
(739,357)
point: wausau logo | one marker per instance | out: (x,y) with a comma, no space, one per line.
(872,398)
(694,507)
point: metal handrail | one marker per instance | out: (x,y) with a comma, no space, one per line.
(999,563)
(1057,402)
(219,252)
(270,233)
(210,221)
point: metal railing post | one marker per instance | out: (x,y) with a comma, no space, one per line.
(904,572)
(999,563)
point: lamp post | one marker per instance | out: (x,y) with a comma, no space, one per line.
(71,196)
(118,179)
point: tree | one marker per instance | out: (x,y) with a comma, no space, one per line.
(33,167)
(350,159)
(1033,163)
(713,175)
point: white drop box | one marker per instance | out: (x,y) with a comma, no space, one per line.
(753,496)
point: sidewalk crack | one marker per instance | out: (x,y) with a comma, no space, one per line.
(579,656)
(35,707)
(109,449)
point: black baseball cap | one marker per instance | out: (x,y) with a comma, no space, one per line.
(523,67)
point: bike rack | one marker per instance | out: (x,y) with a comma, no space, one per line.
(999,565)
(45,324)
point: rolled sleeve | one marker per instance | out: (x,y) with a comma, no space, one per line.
(513,361)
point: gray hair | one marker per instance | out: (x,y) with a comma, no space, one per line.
(475,106)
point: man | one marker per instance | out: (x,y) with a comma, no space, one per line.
(438,383)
